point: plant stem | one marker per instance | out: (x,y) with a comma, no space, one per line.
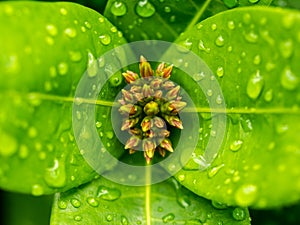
(148,194)
(198,15)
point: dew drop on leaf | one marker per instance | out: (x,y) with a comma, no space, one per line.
(238,214)
(62,68)
(246,195)
(220,71)
(109,194)
(202,47)
(288,79)
(51,29)
(231,25)
(218,205)
(63,11)
(9,145)
(23,151)
(230,3)
(77,218)
(213,27)
(168,218)
(253,1)
(75,56)
(109,218)
(236,145)
(37,190)
(268,96)
(56,175)
(75,203)
(251,37)
(255,85)
(92,202)
(70,32)
(124,220)
(256,60)
(87,25)
(118,8)
(213,171)
(144,8)
(62,204)
(286,48)
(105,39)
(92,66)
(219,41)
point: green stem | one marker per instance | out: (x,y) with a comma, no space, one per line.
(198,15)
(148,194)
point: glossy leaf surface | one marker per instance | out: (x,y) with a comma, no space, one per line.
(255,55)
(104,202)
(41,64)
(164,19)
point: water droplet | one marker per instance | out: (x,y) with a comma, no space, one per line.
(247,18)
(75,202)
(92,202)
(77,218)
(32,132)
(236,145)
(257,60)
(209,92)
(113,29)
(56,175)
(230,24)
(168,218)
(109,134)
(62,68)
(220,71)
(213,26)
(105,39)
(92,66)
(289,80)
(75,56)
(218,205)
(124,220)
(239,214)
(213,171)
(109,218)
(167,9)
(52,30)
(87,25)
(70,32)
(173,19)
(255,85)
(202,47)
(286,48)
(145,8)
(268,95)
(230,3)
(246,124)
(253,1)
(23,151)
(251,37)
(219,100)
(246,195)
(181,177)
(63,11)
(9,145)
(109,194)
(219,41)
(288,21)
(183,200)
(37,190)
(187,45)
(281,128)
(118,8)
(199,76)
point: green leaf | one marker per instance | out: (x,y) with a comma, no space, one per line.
(45,49)
(164,20)
(104,202)
(255,55)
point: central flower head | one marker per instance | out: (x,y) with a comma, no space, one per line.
(149,106)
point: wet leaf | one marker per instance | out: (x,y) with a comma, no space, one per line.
(104,202)
(254,54)
(45,49)
(164,19)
